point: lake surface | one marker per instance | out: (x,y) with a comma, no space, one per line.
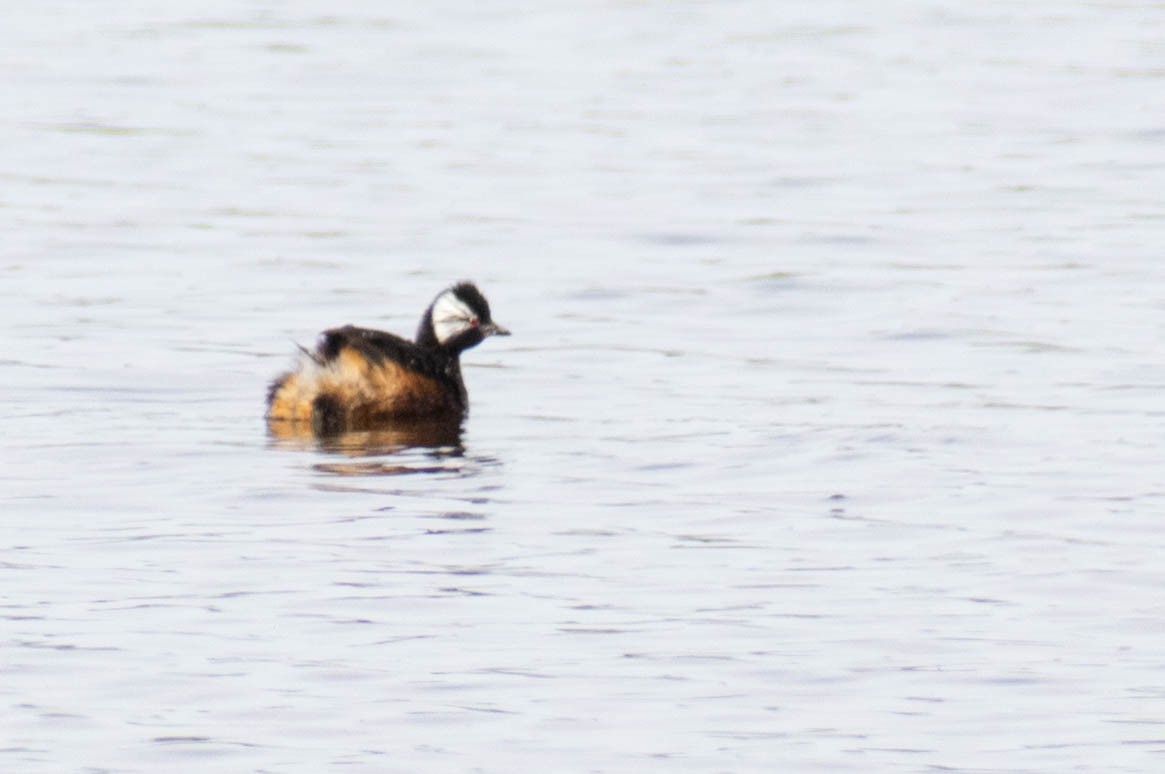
(830,435)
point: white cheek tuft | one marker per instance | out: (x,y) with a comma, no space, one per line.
(450,317)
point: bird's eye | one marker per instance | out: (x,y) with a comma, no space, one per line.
(473,322)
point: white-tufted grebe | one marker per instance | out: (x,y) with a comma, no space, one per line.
(361,379)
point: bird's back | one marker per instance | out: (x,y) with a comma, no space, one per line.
(358,378)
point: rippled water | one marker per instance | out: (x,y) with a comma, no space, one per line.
(829,437)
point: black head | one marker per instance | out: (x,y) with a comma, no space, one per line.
(458,319)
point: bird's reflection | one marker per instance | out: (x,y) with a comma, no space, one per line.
(438,437)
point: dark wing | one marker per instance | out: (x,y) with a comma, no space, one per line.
(377,347)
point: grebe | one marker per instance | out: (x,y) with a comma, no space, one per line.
(362,379)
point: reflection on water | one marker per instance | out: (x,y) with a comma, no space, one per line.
(437,437)
(378,468)
(439,431)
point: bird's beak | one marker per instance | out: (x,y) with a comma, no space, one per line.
(493,329)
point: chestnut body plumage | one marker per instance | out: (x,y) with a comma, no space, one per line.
(362,379)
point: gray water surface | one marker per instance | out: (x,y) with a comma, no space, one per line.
(829,437)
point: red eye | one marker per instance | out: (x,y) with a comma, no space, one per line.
(473,322)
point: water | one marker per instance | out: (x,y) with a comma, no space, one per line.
(829,437)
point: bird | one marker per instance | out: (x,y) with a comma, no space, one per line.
(359,379)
